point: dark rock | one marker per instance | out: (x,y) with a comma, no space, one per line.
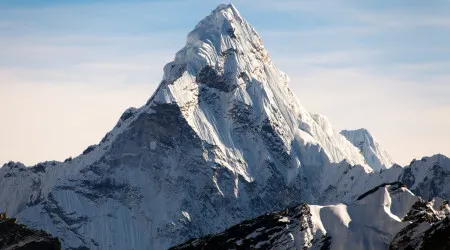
(89,149)
(266,231)
(395,185)
(19,237)
(212,79)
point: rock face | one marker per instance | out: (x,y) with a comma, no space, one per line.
(287,229)
(222,140)
(428,177)
(371,222)
(19,237)
(372,151)
(429,228)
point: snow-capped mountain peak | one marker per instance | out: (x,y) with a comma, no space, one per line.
(225,69)
(222,139)
(372,151)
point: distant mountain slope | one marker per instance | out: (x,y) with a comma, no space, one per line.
(372,151)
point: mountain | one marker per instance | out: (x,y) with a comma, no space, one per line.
(221,140)
(428,177)
(429,227)
(424,236)
(372,151)
(292,228)
(387,217)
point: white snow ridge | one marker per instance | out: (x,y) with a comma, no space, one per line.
(222,140)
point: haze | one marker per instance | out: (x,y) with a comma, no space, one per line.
(69,70)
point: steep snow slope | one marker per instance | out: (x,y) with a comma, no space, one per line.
(372,151)
(222,139)
(227,86)
(371,222)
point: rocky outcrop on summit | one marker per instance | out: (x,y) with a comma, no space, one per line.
(372,151)
(19,237)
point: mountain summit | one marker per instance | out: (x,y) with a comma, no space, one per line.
(372,151)
(225,84)
(222,139)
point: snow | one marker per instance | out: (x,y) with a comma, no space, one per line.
(368,223)
(284,219)
(153,145)
(253,235)
(186,214)
(372,151)
(202,155)
(316,220)
(205,47)
(365,224)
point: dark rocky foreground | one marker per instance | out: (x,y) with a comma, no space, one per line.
(19,237)
(429,229)
(270,231)
(425,225)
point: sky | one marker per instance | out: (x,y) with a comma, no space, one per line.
(68,69)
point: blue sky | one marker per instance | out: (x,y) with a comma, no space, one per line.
(383,65)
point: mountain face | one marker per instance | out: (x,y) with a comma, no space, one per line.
(428,177)
(292,228)
(222,140)
(372,151)
(424,236)
(386,217)
(429,227)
